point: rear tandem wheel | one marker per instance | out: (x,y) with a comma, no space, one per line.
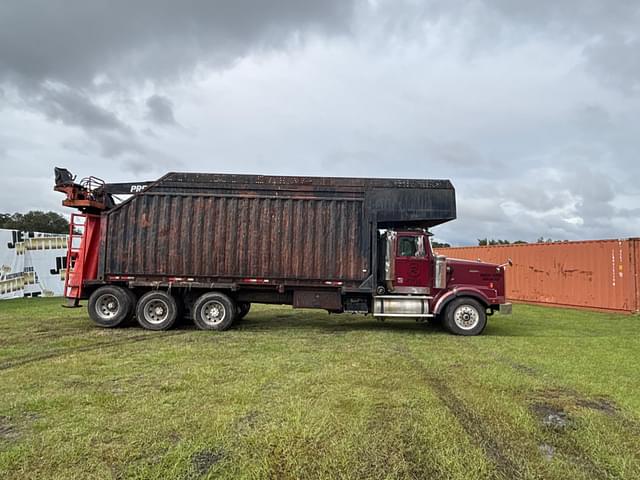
(157,310)
(214,311)
(110,306)
(243,309)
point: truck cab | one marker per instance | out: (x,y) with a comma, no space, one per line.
(414,281)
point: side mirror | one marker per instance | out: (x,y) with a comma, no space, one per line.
(508,262)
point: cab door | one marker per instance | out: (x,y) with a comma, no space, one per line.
(412,264)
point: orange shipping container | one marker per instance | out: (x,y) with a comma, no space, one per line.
(602,274)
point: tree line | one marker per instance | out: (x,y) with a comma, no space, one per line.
(35,221)
(493,241)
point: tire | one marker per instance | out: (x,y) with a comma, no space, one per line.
(110,306)
(181,309)
(134,301)
(465,316)
(214,311)
(243,309)
(157,310)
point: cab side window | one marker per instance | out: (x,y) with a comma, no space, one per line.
(407,247)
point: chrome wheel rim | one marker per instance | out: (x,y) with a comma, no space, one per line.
(156,311)
(466,317)
(107,306)
(213,312)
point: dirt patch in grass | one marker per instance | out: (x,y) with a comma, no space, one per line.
(556,410)
(204,460)
(526,369)
(247,422)
(551,416)
(600,404)
(566,400)
(547,451)
(8,431)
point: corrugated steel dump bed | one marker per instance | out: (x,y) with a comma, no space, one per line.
(217,226)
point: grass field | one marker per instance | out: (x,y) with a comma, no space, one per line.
(547,393)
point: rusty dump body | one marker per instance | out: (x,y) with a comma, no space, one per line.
(215,243)
(249,229)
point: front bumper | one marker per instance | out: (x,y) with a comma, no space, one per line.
(505,308)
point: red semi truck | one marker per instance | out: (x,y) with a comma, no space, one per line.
(207,246)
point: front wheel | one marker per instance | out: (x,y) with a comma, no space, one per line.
(465,316)
(110,306)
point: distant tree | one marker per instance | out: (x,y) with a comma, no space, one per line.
(435,244)
(35,221)
(487,241)
(520,242)
(549,240)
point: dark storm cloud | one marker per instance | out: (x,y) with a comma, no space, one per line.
(75,108)
(160,110)
(86,48)
(606,32)
(609,30)
(73,41)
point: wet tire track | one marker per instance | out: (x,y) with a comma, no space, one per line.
(43,336)
(17,362)
(471,422)
(565,443)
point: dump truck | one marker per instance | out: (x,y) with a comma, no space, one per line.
(208,246)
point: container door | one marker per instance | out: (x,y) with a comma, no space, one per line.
(412,265)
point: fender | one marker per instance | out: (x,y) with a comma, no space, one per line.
(460,292)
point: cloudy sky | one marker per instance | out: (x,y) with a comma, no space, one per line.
(532,109)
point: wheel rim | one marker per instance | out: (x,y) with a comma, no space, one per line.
(213,312)
(107,306)
(466,317)
(156,311)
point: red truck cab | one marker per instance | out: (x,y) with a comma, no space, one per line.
(416,282)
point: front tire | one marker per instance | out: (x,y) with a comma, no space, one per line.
(157,310)
(465,316)
(214,311)
(110,306)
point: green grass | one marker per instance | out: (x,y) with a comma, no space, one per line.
(547,393)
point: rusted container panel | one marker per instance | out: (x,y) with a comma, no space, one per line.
(217,227)
(599,274)
(224,236)
(387,201)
